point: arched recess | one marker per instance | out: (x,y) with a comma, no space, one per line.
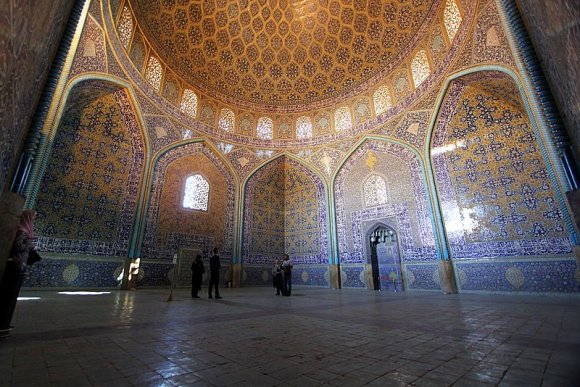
(498,187)
(168,227)
(285,211)
(408,210)
(86,182)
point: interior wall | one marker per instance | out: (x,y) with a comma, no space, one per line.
(29,38)
(285,212)
(170,227)
(264,233)
(504,222)
(87,195)
(405,210)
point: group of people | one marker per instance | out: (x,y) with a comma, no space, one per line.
(197,271)
(282,274)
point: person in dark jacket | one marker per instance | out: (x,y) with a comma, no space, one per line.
(197,270)
(277,276)
(15,269)
(214,273)
(287,277)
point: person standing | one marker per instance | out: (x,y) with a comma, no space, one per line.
(214,273)
(277,277)
(287,276)
(197,270)
(15,269)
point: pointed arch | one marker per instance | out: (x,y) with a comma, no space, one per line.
(437,147)
(120,158)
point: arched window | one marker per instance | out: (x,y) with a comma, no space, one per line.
(451,18)
(342,119)
(420,67)
(196,193)
(227,120)
(303,127)
(375,191)
(189,103)
(125,27)
(264,129)
(382,100)
(154,72)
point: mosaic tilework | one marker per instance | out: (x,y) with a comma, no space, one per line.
(322,137)
(285,211)
(549,276)
(264,214)
(162,132)
(411,128)
(90,54)
(98,145)
(353,276)
(422,277)
(491,44)
(154,274)
(403,175)
(244,160)
(311,275)
(74,273)
(169,227)
(496,196)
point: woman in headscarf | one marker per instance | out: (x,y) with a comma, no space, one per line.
(15,269)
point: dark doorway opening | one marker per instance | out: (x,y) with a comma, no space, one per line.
(385,260)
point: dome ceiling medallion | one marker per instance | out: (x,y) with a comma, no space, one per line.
(280,52)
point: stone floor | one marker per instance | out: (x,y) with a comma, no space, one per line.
(316,337)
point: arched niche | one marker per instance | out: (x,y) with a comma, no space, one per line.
(285,209)
(89,187)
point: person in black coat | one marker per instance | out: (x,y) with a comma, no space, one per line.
(214,273)
(197,270)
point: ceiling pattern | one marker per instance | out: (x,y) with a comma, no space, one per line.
(281,52)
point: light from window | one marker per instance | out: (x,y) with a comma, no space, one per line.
(153,72)
(225,147)
(452,18)
(420,68)
(382,100)
(227,120)
(264,129)
(375,191)
(303,127)
(189,103)
(196,193)
(342,119)
(125,27)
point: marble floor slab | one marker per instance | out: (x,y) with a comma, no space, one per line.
(317,337)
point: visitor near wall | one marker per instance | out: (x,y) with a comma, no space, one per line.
(287,276)
(214,274)
(20,256)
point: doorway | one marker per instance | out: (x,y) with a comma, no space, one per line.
(385,260)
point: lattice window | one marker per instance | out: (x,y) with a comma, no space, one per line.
(264,129)
(154,72)
(196,193)
(382,99)
(225,147)
(125,27)
(420,68)
(227,120)
(303,127)
(342,119)
(375,191)
(452,18)
(189,103)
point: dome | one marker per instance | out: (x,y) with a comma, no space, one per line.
(283,54)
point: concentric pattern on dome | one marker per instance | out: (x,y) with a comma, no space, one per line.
(281,52)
